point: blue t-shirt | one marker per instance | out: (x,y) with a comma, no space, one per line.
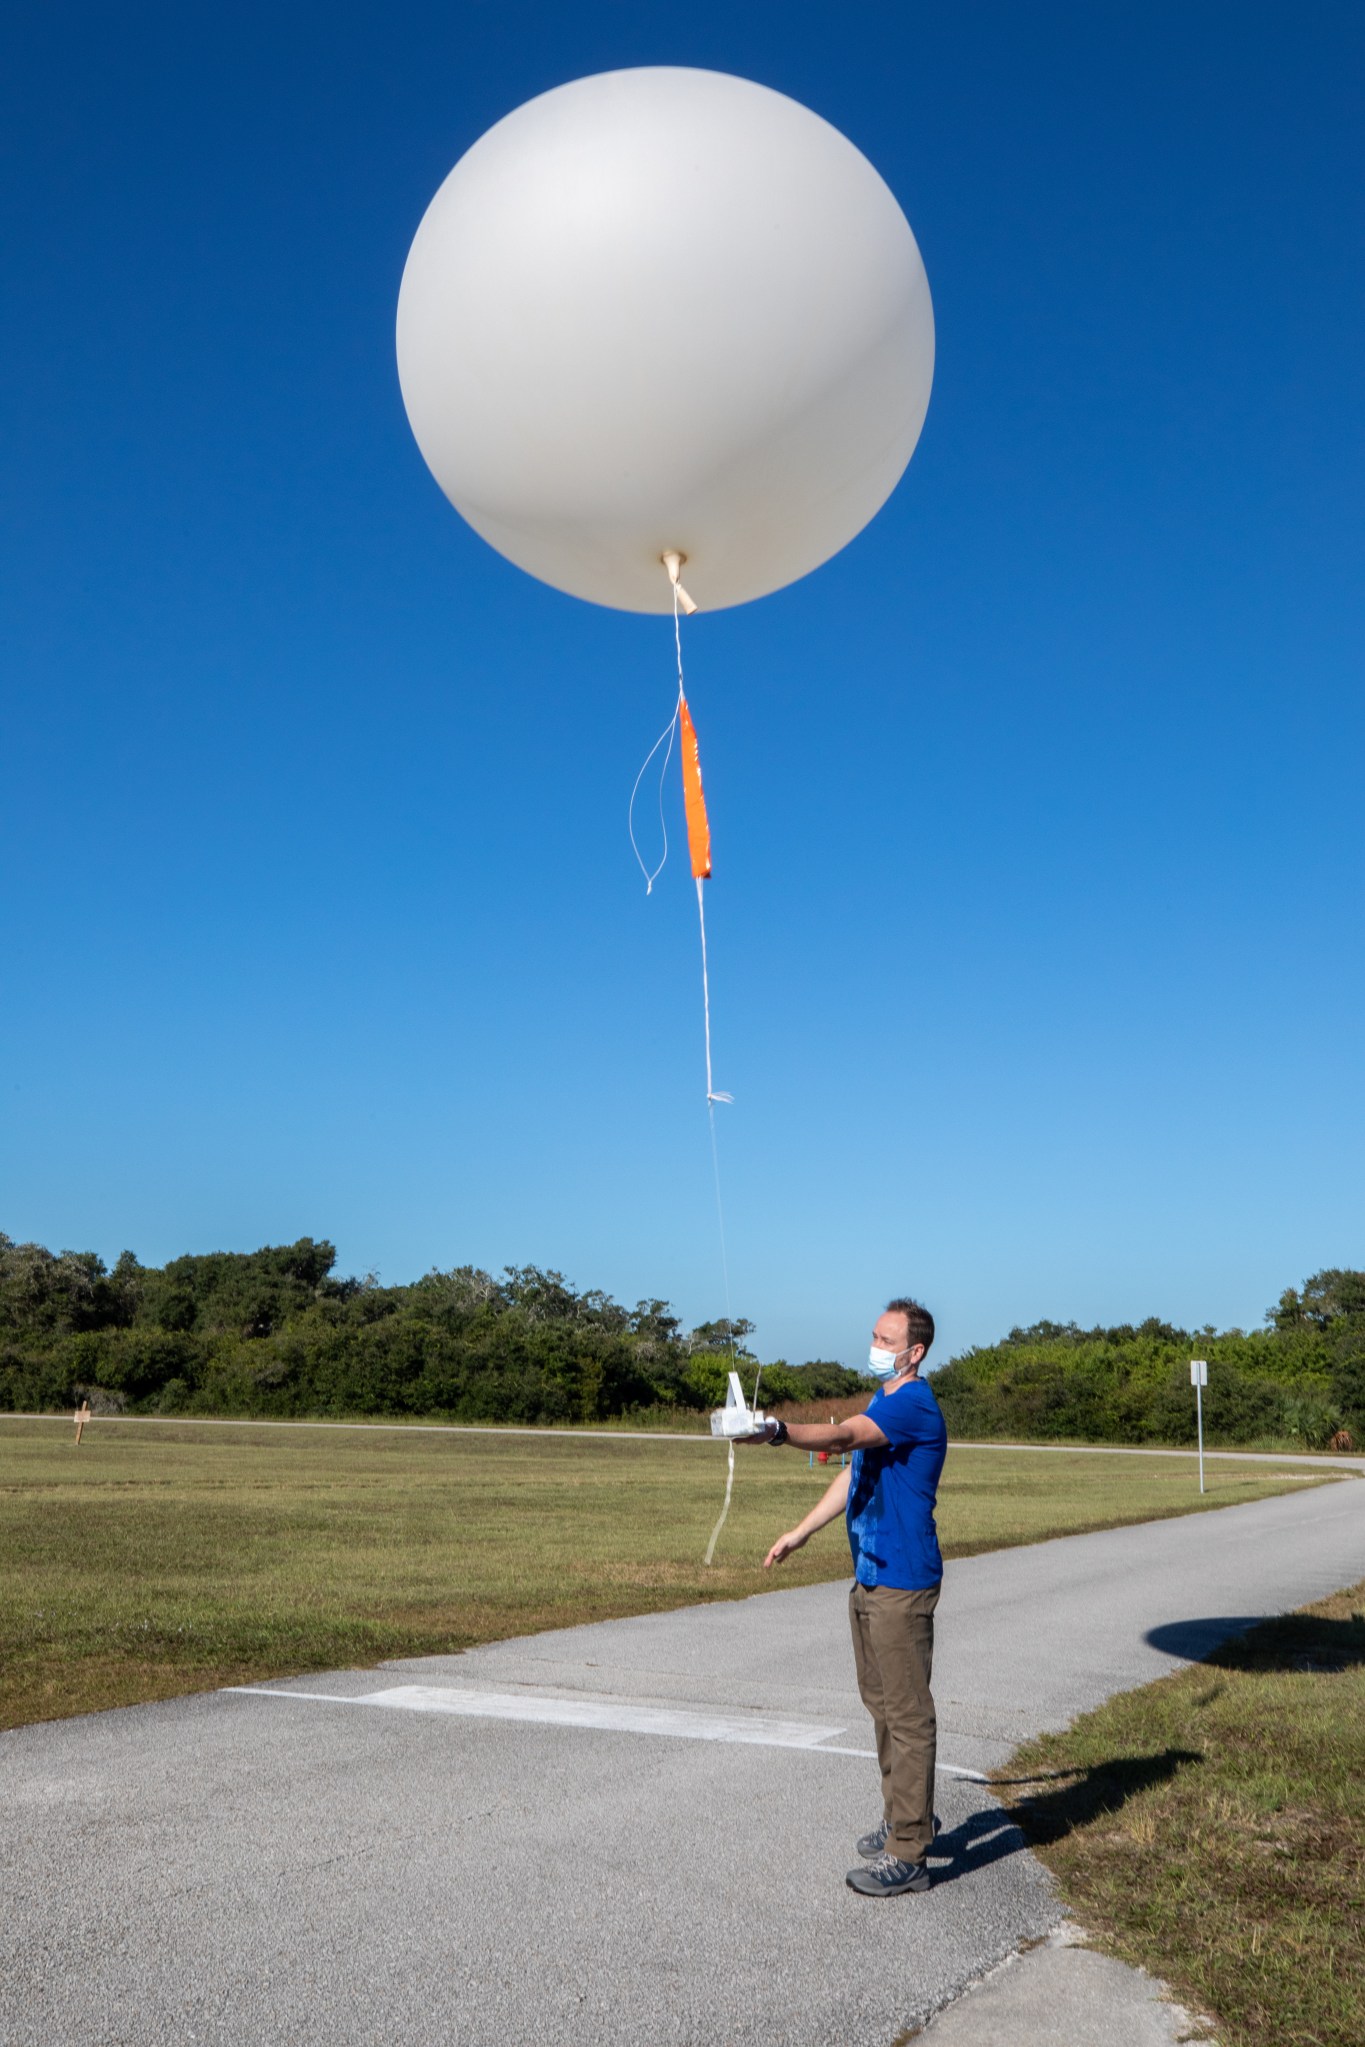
(891,1492)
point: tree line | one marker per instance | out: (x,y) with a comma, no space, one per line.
(274,1333)
(1301,1377)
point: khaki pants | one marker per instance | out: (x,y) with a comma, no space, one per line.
(893,1648)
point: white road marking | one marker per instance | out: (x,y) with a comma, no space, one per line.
(613,1716)
(616,1716)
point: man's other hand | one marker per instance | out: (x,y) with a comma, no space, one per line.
(783,1547)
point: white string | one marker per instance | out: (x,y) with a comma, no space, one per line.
(729,1311)
(715,1532)
(720,1227)
(677,637)
(669,733)
(711,1099)
(711,1094)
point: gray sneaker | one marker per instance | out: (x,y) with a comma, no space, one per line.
(871,1845)
(887,1877)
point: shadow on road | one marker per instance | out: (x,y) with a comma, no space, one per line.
(1292,1641)
(982,1838)
(1196,1640)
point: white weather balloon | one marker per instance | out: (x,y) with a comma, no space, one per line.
(661,310)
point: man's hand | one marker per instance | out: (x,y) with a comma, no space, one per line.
(826,1510)
(783,1547)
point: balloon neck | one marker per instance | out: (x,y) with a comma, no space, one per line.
(673,562)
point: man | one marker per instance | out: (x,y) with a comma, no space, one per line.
(887,1494)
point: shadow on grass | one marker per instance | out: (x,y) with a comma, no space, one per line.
(1292,1641)
(1079,1797)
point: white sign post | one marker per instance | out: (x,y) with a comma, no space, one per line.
(1199,1379)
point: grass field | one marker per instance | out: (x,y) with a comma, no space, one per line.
(161,1559)
(1212,1827)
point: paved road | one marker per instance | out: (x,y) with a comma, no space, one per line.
(634,1832)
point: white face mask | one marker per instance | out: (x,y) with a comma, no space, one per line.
(882,1363)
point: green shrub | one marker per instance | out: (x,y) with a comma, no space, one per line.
(273,1333)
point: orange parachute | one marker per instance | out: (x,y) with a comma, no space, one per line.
(694,803)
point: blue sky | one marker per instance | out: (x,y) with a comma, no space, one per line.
(1036,920)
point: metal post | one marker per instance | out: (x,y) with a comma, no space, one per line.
(1199,1379)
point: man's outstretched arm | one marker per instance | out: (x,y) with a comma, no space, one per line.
(859,1432)
(828,1508)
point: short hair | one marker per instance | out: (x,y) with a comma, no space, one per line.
(919,1323)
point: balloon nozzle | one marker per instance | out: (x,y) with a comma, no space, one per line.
(673,562)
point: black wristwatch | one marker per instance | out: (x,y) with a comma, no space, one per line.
(781,1435)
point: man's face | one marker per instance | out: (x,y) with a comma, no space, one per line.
(892,1332)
